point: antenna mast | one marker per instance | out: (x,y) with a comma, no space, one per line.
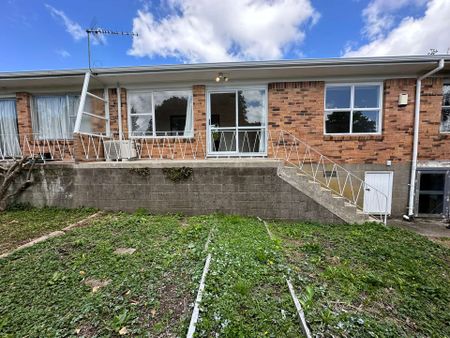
(99,31)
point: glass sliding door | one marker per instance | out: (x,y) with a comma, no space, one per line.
(237,122)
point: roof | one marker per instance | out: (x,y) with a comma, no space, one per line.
(279,70)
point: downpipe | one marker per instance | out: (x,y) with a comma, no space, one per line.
(412,184)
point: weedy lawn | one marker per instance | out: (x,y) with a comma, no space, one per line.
(352,280)
(369,280)
(22,224)
(77,285)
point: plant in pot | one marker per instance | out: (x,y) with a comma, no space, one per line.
(216,138)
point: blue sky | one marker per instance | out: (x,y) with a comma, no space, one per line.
(50,34)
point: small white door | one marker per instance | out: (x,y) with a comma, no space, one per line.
(374,202)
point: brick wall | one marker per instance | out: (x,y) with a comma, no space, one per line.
(299,108)
(23,107)
(433,145)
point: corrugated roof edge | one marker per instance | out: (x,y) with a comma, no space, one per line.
(318,62)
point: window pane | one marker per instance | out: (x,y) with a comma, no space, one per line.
(338,97)
(445,121)
(252,141)
(93,125)
(141,125)
(431,203)
(171,112)
(432,182)
(251,107)
(446,98)
(140,103)
(223,140)
(365,121)
(367,96)
(223,109)
(337,122)
(51,117)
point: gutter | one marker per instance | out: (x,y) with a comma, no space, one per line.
(412,184)
(229,66)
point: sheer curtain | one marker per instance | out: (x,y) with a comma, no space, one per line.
(54,116)
(189,128)
(9,137)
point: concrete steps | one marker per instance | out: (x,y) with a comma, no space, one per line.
(338,205)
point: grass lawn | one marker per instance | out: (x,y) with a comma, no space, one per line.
(352,280)
(368,280)
(19,226)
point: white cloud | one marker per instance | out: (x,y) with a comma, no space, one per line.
(379,16)
(72,27)
(63,53)
(205,31)
(413,35)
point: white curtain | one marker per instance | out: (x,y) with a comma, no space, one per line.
(9,137)
(189,128)
(54,116)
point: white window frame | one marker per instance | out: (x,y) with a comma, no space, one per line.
(446,83)
(152,91)
(351,109)
(50,94)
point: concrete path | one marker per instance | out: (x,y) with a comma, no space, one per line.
(424,226)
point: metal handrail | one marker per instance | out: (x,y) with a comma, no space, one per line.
(311,163)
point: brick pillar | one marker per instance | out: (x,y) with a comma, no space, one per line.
(199,110)
(114,114)
(23,107)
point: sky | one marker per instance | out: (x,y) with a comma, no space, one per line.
(50,34)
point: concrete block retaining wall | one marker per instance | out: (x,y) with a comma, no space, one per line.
(234,187)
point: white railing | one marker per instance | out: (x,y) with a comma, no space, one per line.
(329,174)
(281,145)
(36,146)
(119,147)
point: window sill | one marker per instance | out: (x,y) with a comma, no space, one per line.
(353,137)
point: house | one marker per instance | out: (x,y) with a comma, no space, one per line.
(319,139)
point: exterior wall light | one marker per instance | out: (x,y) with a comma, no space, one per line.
(220,77)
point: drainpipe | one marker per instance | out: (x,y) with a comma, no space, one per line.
(119,111)
(412,184)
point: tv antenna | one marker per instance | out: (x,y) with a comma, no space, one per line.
(97,32)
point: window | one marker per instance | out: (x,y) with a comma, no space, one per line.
(54,116)
(9,141)
(431,192)
(445,119)
(160,113)
(352,109)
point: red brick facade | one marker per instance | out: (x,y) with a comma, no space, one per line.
(298,108)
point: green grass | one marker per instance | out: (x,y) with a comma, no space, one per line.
(368,280)
(246,294)
(352,280)
(43,292)
(20,225)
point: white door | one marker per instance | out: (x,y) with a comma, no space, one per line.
(376,182)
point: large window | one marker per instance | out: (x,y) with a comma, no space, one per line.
(445,119)
(353,109)
(160,113)
(54,116)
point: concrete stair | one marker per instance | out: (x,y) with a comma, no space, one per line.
(338,205)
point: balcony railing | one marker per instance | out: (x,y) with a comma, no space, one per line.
(281,145)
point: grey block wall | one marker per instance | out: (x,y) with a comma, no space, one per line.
(244,189)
